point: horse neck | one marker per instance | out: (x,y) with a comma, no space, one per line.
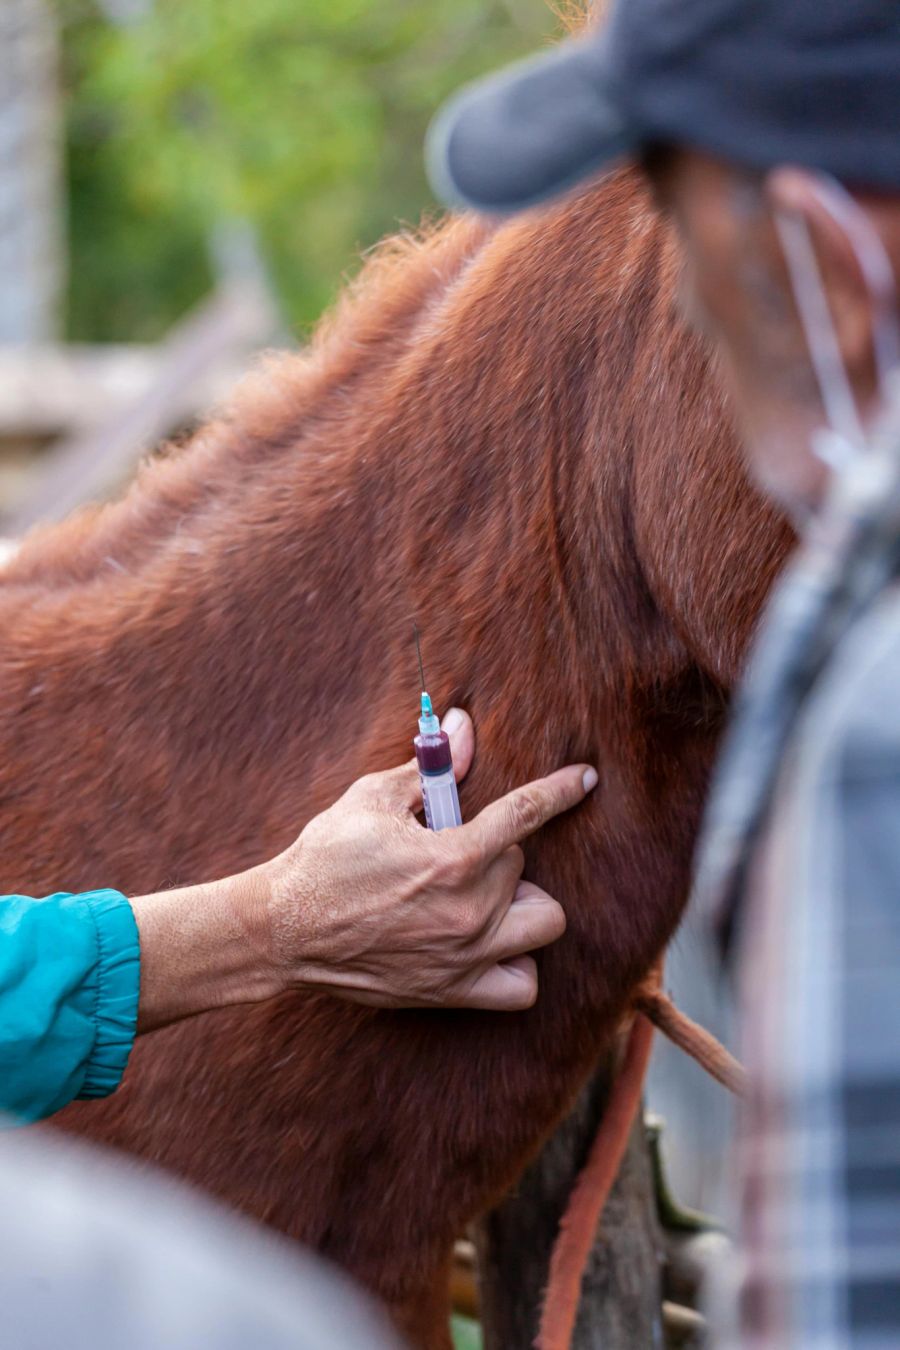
(456,445)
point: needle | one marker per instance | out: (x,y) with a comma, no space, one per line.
(419,653)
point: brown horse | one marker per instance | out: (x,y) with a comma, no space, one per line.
(505,430)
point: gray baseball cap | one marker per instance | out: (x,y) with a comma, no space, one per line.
(759,82)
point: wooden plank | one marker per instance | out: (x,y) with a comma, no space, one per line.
(50,390)
(237,318)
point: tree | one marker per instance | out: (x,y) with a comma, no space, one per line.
(303,117)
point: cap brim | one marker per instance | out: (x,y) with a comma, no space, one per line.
(535,130)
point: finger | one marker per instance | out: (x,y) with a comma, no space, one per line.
(486,892)
(511,987)
(458,726)
(533,920)
(513,860)
(525,810)
(498,888)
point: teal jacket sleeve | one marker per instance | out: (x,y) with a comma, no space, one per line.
(69,981)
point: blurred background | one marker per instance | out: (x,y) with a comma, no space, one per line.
(184,181)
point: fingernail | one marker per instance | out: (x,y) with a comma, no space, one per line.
(453,720)
(590,780)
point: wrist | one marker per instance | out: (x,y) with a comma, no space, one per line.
(204,947)
(249,900)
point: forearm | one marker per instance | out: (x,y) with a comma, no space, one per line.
(204,947)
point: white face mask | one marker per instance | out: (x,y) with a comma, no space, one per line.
(844,436)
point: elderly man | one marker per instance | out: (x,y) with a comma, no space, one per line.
(768,129)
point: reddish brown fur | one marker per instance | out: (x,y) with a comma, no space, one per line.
(188,675)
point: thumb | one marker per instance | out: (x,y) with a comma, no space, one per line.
(458,726)
(401,788)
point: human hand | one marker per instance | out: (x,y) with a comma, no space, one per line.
(370,905)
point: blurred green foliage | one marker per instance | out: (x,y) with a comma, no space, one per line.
(466,1334)
(303,117)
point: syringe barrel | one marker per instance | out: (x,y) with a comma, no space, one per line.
(438,781)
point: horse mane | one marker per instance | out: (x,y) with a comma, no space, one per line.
(284,397)
(576,15)
(405,279)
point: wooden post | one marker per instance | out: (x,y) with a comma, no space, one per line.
(621,1304)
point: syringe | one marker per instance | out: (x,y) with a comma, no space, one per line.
(435,764)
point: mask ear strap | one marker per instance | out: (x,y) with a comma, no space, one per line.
(875,266)
(818,328)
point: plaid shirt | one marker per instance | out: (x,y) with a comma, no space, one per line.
(800,876)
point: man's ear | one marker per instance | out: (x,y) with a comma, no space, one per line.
(853,296)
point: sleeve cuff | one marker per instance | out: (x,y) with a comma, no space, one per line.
(116,991)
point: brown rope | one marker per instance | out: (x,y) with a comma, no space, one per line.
(578,1228)
(693,1039)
